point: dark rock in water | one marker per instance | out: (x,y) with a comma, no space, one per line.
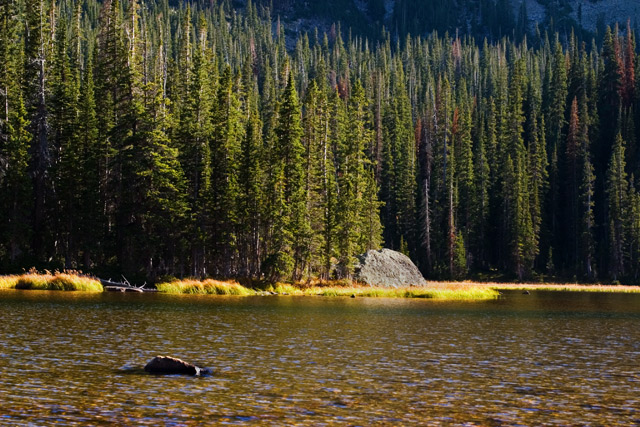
(389,269)
(171,365)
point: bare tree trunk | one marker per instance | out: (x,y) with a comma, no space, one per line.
(427,223)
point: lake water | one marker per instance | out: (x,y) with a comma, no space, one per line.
(545,358)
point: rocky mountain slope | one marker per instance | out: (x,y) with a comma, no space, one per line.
(478,17)
(589,14)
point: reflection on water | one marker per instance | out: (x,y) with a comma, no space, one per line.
(543,358)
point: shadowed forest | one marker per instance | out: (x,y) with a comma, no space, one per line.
(196,140)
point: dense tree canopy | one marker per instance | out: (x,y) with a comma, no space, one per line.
(197,140)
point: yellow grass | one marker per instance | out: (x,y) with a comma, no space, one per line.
(433,290)
(209,286)
(8,282)
(467,290)
(478,293)
(51,282)
(566,287)
(439,291)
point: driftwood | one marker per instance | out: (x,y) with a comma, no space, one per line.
(124,286)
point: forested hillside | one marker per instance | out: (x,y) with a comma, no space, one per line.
(148,139)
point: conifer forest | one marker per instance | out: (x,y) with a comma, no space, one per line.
(155,138)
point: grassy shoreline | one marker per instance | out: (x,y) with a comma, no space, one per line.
(447,292)
(432,290)
(566,287)
(460,291)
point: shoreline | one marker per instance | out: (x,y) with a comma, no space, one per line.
(329,289)
(466,290)
(443,291)
(567,287)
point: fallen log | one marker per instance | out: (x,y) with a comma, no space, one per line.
(121,289)
(111,286)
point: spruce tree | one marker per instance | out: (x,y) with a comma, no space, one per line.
(287,250)
(91,221)
(618,209)
(17,187)
(225,156)
(194,136)
(316,159)
(251,184)
(64,139)
(36,55)
(587,201)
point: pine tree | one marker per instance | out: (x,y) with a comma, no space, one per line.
(464,173)
(356,226)
(35,76)
(399,166)
(481,182)
(629,75)
(572,158)
(113,102)
(287,186)
(316,159)
(194,135)
(64,121)
(633,230)
(225,156)
(160,190)
(610,90)
(587,182)
(251,184)
(534,137)
(523,243)
(555,127)
(91,221)
(617,192)
(16,188)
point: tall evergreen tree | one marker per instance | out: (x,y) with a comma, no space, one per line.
(287,250)
(617,192)
(225,156)
(36,55)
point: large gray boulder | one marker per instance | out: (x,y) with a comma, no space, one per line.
(388,268)
(171,365)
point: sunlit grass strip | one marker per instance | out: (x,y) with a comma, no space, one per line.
(51,282)
(209,287)
(434,290)
(565,287)
(440,293)
(287,289)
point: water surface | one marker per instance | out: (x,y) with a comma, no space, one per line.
(545,358)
